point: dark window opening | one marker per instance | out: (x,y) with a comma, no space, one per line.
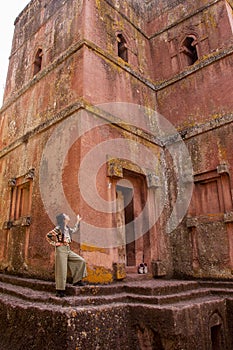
(38,62)
(216,337)
(189,50)
(122,47)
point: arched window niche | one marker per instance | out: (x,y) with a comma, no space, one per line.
(189,50)
(37,64)
(122,49)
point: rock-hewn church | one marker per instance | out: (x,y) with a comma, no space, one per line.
(121,111)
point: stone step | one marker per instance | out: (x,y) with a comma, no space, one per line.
(55,323)
(34,284)
(152,293)
(101,304)
(160,287)
(170,298)
(34,296)
(30,311)
(147,292)
(26,295)
(216,284)
(137,286)
(181,304)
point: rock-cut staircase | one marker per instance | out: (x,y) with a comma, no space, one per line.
(122,315)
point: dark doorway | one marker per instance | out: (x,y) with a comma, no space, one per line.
(216,337)
(129,224)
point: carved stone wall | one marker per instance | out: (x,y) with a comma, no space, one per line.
(64,60)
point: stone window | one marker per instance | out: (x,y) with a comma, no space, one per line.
(189,50)
(38,61)
(122,47)
(216,339)
(212,193)
(21,195)
(217,334)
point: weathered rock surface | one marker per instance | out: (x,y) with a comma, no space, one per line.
(136,314)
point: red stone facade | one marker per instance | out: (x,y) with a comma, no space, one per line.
(72,62)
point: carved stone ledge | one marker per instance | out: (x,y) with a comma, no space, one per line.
(26,221)
(119,271)
(228,217)
(23,221)
(158,268)
(114,168)
(223,169)
(191,222)
(12,182)
(7,225)
(152,180)
(30,174)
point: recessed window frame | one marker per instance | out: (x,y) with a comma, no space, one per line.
(37,64)
(189,50)
(21,200)
(122,49)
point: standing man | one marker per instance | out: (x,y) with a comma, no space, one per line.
(60,237)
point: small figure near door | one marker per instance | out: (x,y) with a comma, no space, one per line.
(143,268)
